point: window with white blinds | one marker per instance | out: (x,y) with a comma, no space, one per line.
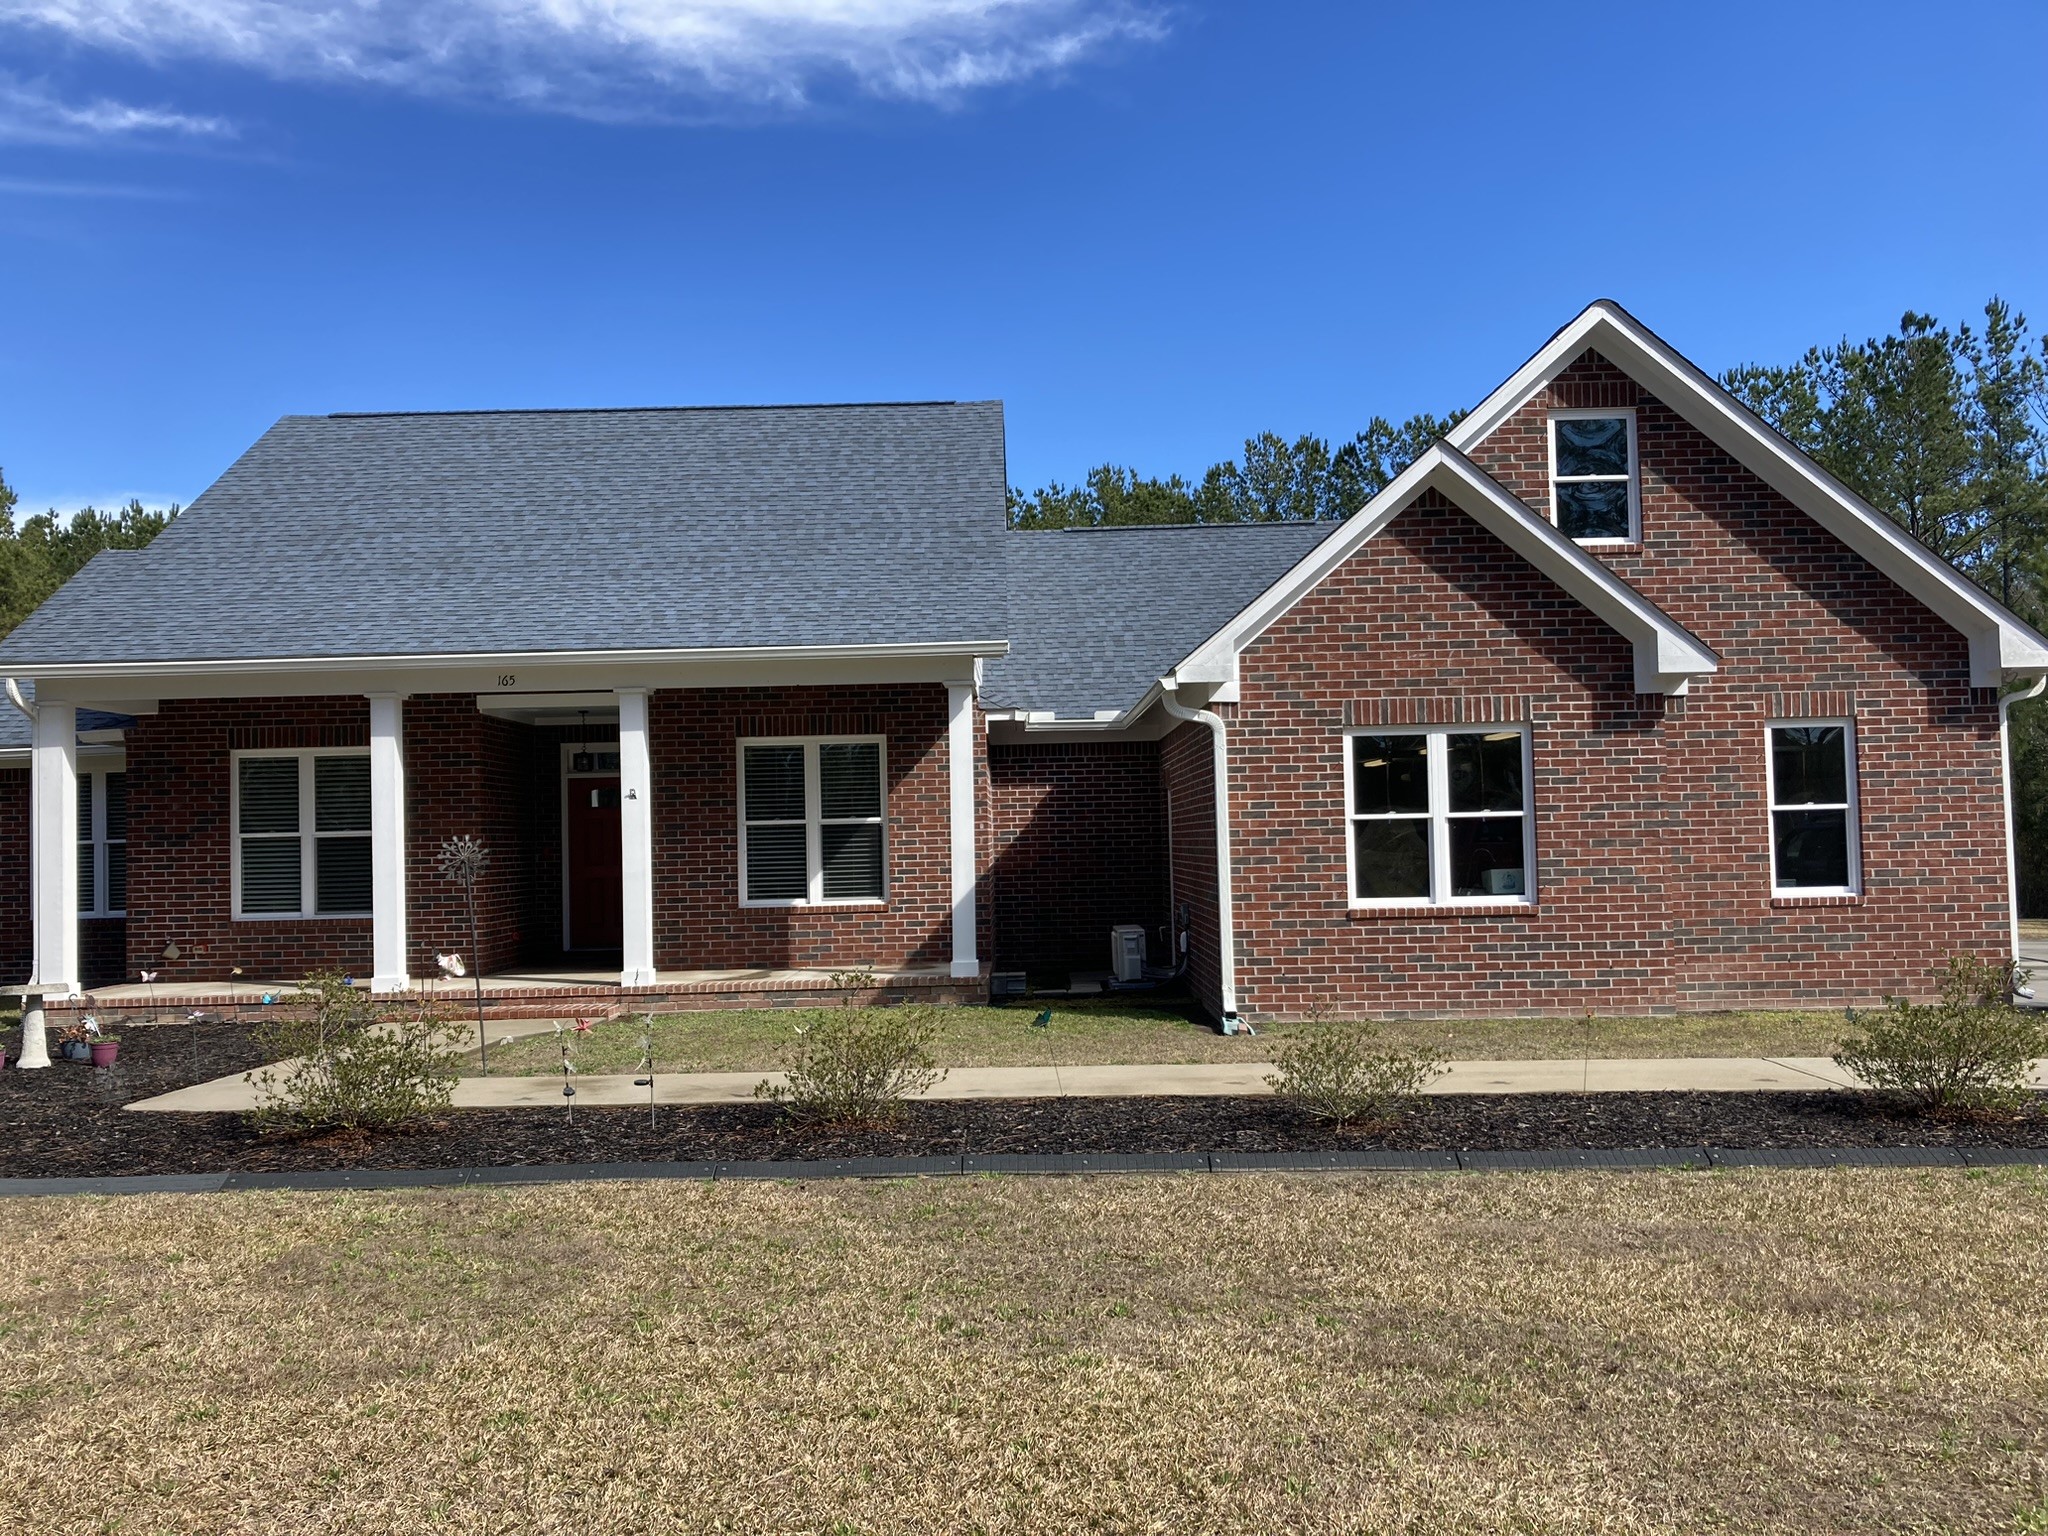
(812,822)
(103,843)
(302,834)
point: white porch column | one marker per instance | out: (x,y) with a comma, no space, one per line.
(53,860)
(387,845)
(636,831)
(960,773)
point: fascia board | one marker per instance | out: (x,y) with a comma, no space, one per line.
(399,661)
(2000,642)
(1666,654)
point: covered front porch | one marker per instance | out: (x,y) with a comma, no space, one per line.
(631,836)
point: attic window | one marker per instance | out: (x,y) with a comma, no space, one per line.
(1593,476)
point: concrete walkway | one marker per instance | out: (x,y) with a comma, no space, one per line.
(1733,1074)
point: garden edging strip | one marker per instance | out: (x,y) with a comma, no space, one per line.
(1059,1164)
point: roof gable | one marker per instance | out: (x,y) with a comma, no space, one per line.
(1667,656)
(2001,644)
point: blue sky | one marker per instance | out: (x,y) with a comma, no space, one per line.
(1151,229)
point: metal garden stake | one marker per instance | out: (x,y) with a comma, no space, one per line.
(463,860)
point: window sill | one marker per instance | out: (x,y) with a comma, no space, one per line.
(1611,546)
(1426,909)
(1839,899)
(870,903)
(304,917)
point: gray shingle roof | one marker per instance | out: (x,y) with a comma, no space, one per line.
(517,531)
(1097,615)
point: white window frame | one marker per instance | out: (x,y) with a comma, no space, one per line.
(309,867)
(1634,477)
(93,903)
(1854,819)
(813,818)
(1441,816)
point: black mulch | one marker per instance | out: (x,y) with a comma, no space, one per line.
(68,1120)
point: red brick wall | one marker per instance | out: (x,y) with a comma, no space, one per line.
(1078,842)
(179,835)
(465,777)
(1433,620)
(699,922)
(1791,611)
(1653,869)
(1187,772)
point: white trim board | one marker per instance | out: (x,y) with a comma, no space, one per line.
(1667,656)
(2001,644)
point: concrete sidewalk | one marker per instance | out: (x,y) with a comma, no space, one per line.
(1710,1074)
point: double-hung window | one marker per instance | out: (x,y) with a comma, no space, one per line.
(1439,817)
(811,822)
(1593,483)
(1813,809)
(302,834)
(103,843)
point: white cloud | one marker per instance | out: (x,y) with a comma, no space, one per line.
(611,57)
(32,114)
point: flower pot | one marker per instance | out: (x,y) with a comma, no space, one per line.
(104,1052)
(74,1050)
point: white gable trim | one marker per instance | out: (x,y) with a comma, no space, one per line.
(1667,657)
(2001,645)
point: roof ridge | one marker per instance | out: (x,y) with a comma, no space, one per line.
(645,410)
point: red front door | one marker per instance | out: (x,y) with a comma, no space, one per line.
(593,856)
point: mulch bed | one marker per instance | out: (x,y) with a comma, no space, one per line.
(69,1121)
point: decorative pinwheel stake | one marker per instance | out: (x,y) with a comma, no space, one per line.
(463,861)
(647,1082)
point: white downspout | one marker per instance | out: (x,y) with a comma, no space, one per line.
(2006,701)
(1226,929)
(33,1031)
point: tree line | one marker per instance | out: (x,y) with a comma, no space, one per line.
(40,553)
(1945,429)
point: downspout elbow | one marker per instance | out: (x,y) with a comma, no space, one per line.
(1226,927)
(20,703)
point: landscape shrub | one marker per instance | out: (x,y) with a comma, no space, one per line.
(353,1064)
(1340,1073)
(857,1065)
(1971,1050)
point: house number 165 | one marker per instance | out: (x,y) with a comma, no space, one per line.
(508,679)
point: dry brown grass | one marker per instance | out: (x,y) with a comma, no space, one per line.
(1085,1034)
(1555,1353)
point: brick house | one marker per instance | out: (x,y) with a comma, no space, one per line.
(1611,702)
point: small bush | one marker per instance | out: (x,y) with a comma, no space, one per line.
(353,1065)
(1971,1050)
(1336,1073)
(849,1066)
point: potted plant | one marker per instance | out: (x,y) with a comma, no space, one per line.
(104,1049)
(75,1043)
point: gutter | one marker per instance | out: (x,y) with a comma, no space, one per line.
(2032,690)
(1226,927)
(203,666)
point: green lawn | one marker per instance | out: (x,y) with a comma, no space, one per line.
(1084,1033)
(1548,1354)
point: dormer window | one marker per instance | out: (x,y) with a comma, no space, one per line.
(1593,476)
